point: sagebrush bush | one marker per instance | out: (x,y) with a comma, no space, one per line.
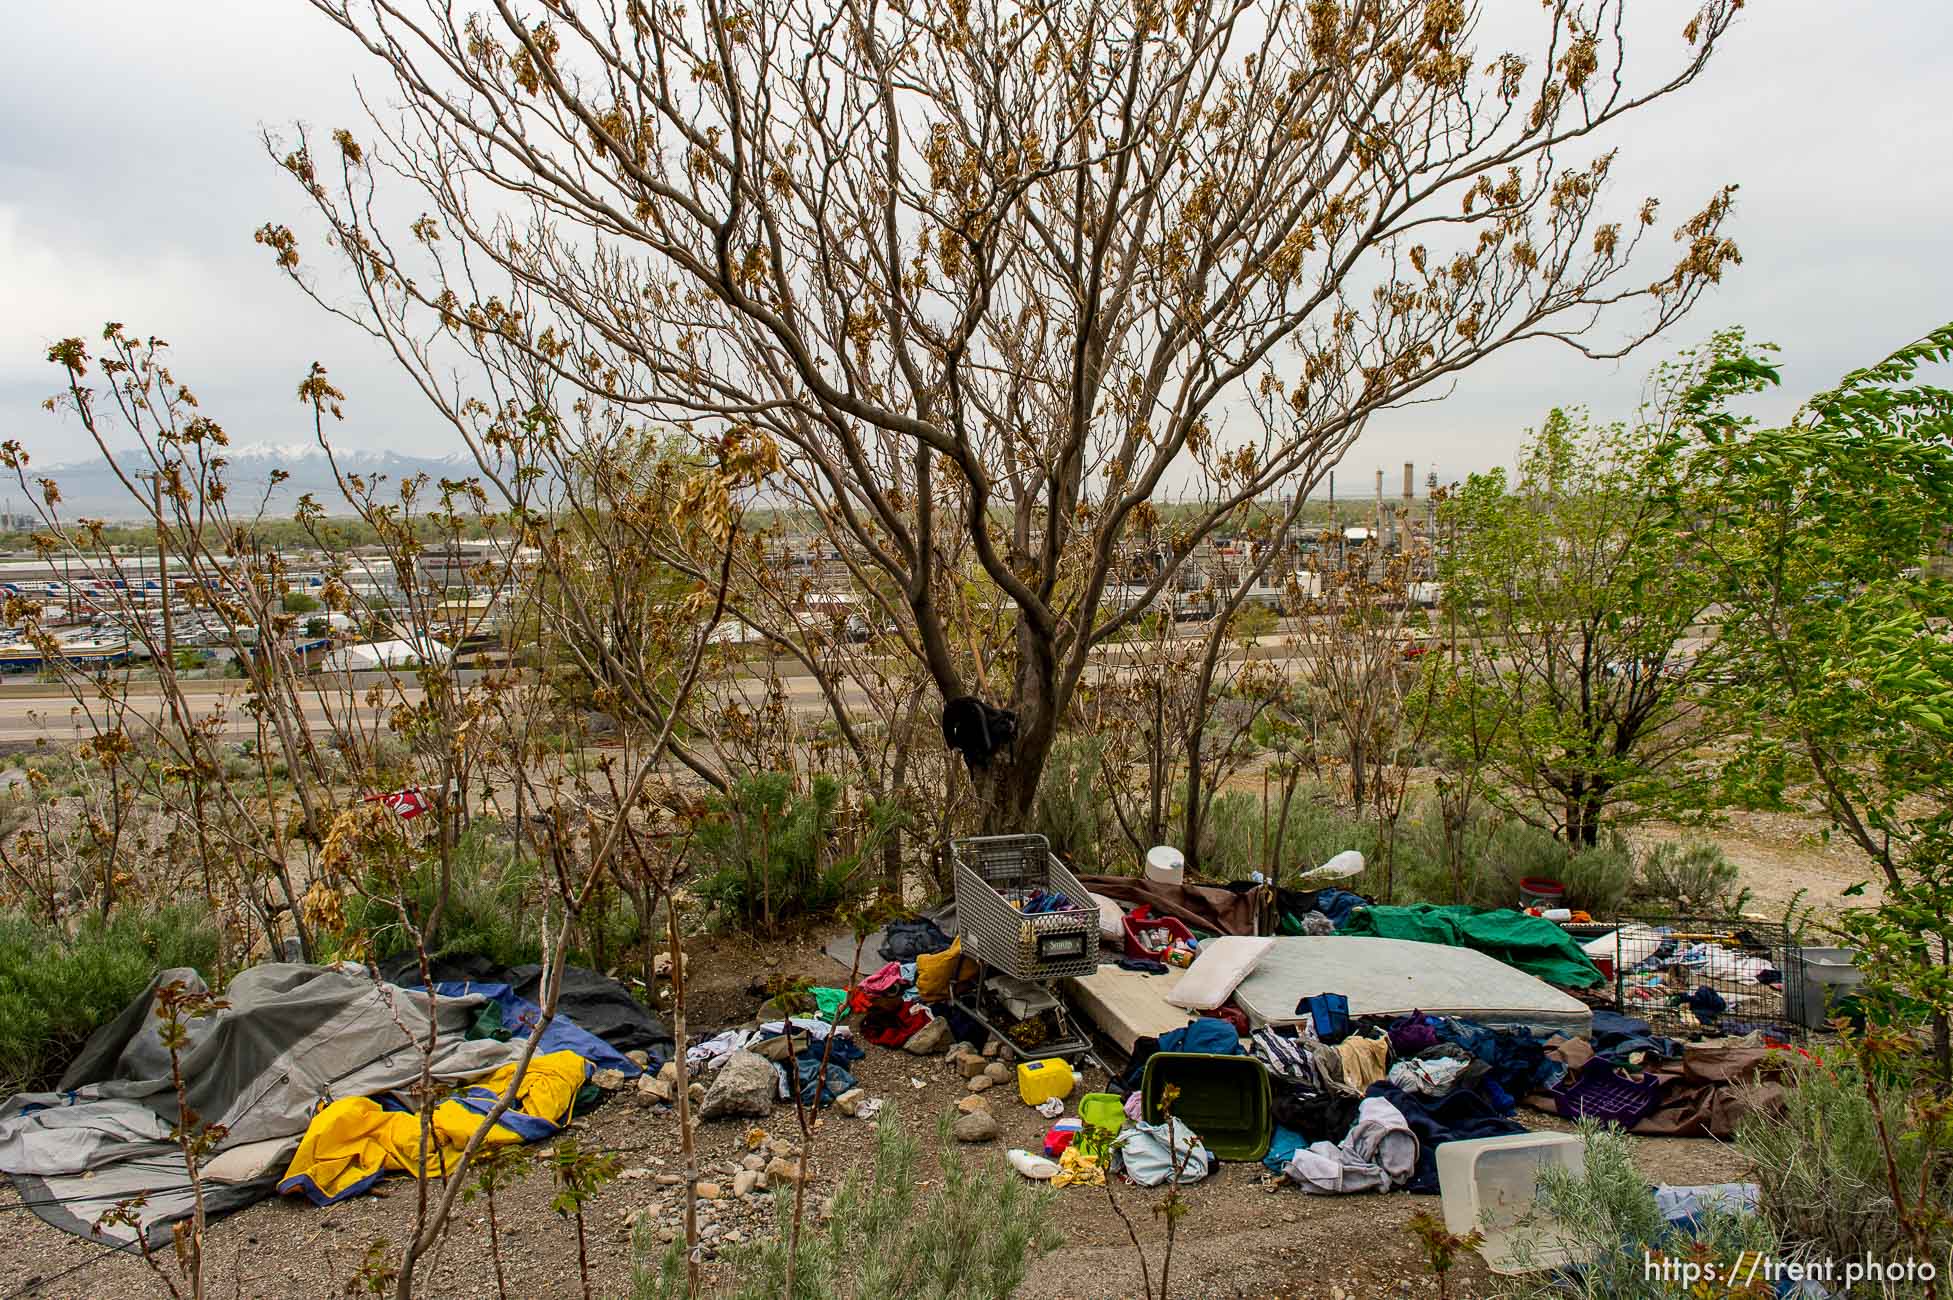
(1691,877)
(972,1237)
(57,987)
(1231,839)
(1071,811)
(1822,1168)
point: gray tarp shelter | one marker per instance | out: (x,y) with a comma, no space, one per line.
(293,1038)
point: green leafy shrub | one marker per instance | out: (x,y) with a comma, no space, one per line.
(1071,810)
(492,909)
(1499,852)
(770,852)
(1231,843)
(1822,1168)
(1693,878)
(972,1238)
(56,988)
(1607,1215)
(1600,877)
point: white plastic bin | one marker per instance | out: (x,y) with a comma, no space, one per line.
(1488,1184)
(1817,977)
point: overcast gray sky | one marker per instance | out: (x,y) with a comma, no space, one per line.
(131,178)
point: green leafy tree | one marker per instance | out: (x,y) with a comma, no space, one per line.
(1824,539)
(1567,599)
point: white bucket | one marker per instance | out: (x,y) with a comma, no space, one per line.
(1165,865)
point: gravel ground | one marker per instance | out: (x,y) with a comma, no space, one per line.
(1247,1234)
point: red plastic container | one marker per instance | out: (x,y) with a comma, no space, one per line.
(1149,936)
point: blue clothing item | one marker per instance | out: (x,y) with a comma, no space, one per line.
(520,1016)
(1330,1014)
(1144,965)
(1616,1037)
(1518,1061)
(1337,904)
(1214,1037)
(1282,1148)
(811,1083)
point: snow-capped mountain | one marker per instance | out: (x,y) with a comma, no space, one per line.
(90,489)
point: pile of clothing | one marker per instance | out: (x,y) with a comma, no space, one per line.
(1362,1105)
(1627,1075)
(905,1003)
(807,1065)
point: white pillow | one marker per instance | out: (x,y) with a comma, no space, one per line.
(1217,971)
(1112,920)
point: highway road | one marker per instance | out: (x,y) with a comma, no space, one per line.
(31,711)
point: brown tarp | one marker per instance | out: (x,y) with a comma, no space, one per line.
(1202,907)
(1708,1093)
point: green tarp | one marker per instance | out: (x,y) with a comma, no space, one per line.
(1528,943)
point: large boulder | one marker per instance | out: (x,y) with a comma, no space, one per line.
(744,1088)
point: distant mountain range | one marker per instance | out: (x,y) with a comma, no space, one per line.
(90,489)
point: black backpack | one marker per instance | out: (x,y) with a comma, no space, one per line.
(976,730)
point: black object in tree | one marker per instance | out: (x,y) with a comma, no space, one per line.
(976,730)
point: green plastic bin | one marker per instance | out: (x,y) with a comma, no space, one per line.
(1223,1099)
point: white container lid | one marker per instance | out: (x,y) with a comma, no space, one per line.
(1165,863)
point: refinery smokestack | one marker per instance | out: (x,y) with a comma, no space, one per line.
(1379,487)
(1410,482)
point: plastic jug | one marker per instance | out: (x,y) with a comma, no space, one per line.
(1031,1166)
(1042,1080)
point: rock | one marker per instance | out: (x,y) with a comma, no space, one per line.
(782,1169)
(963,1049)
(981,1082)
(696,1094)
(733,1237)
(827,1207)
(779,1147)
(709,1192)
(928,1040)
(999,1072)
(640,1058)
(666,1180)
(745,1086)
(608,1080)
(760,1186)
(667,1235)
(744,1182)
(972,1066)
(661,965)
(753,1163)
(993,1047)
(632,1175)
(977,1126)
(973,1103)
(662,1088)
(850,1101)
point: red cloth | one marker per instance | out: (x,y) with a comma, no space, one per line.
(887,1026)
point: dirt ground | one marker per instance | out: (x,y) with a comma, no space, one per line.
(1247,1232)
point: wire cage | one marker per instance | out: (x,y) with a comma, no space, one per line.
(1693,977)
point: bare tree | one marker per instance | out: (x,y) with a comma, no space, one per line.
(992,273)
